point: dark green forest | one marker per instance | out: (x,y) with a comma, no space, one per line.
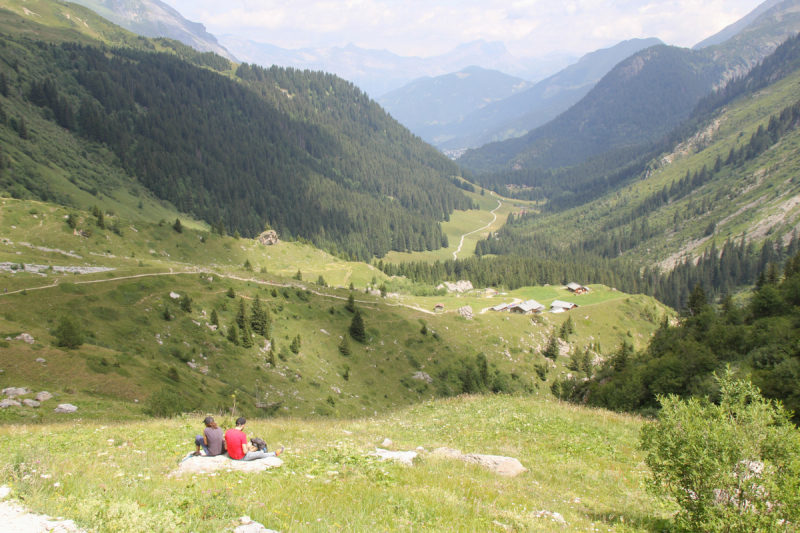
(306,152)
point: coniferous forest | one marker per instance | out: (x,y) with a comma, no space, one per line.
(307,153)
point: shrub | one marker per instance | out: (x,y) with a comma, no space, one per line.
(69,333)
(732,467)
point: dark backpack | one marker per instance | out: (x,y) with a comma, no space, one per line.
(259,443)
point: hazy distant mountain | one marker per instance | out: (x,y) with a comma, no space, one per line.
(524,111)
(153,18)
(426,105)
(737,26)
(379,71)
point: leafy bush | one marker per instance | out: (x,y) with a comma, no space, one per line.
(732,467)
(69,333)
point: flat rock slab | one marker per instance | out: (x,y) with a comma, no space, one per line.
(14,517)
(9,403)
(43,396)
(252,527)
(65,408)
(407,458)
(12,391)
(504,466)
(206,465)
(31,403)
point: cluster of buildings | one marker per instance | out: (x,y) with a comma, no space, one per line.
(532,307)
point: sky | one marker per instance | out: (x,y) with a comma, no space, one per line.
(529,28)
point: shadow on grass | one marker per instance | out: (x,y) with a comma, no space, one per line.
(638,521)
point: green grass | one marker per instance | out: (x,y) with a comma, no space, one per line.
(583,464)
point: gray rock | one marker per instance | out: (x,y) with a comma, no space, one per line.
(43,396)
(422,376)
(387,443)
(65,408)
(205,465)
(24,337)
(466,312)
(40,360)
(11,391)
(407,458)
(268,238)
(253,527)
(504,466)
(9,403)
(30,403)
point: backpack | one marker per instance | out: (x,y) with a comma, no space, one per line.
(259,443)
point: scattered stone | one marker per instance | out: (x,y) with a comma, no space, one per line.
(65,408)
(174,295)
(11,391)
(387,443)
(24,337)
(504,466)
(205,465)
(563,347)
(9,403)
(252,527)
(325,332)
(337,390)
(466,312)
(192,365)
(40,360)
(30,403)
(422,376)
(407,458)
(43,396)
(555,517)
(268,238)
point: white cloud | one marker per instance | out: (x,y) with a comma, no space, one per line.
(430,27)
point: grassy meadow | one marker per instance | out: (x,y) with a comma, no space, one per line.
(582,464)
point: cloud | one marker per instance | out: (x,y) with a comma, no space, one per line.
(430,27)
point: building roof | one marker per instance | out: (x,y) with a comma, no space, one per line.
(530,305)
(562,305)
(439,305)
(574,286)
(501,307)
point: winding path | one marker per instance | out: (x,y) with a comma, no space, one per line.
(499,205)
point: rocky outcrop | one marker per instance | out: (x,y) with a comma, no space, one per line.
(504,466)
(18,391)
(466,312)
(65,408)
(268,238)
(422,376)
(206,465)
(43,396)
(459,286)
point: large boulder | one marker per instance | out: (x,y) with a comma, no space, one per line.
(466,312)
(504,466)
(206,465)
(422,376)
(268,238)
(12,391)
(43,396)
(65,408)
(30,403)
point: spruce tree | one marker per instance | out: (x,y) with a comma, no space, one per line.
(351,304)
(298,276)
(247,265)
(271,355)
(214,318)
(321,281)
(186,303)
(230,293)
(3,84)
(586,364)
(236,235)
(357,329)
(295,346)
(274,292)
(344,346)
(101,221)
(166,314)
(241,314)
(177,226)
(551,351)
(233,334)
(247,336)
(258,317)
(23,130)
(383,290)
(352,287)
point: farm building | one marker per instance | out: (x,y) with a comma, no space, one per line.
(560,307)
(500,308)
(527,308)
(577,289)
(439,308)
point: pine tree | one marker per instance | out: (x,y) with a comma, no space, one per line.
(236,235)
(697,300)
(214,318)
(383,290)
(586,364)
(101,221)
(241,314)
(166,315)
(186,303)
(247,336)
(295,346)
(483,368)
(3,84)
(69,333)
(344,346)
(23,130)
(258,317)
(271,355)
(298,276)
(552,349)
(351,304)
(247,265)
(177,226)
(352,287)
(357,329)
(321,281)
(230,293)
(233,334)
(274,292)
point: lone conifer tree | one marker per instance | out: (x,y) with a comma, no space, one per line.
(241,314)
(23,130)
(551,352)
(214,318)
(258,317)
(357,329)
(177,226)
(231,293)
(271,355)
(233,334)
(295,346)
(186,303)
(344,346)
(247,336)
(351,304)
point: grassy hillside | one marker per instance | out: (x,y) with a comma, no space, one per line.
(130,348)
(583,464)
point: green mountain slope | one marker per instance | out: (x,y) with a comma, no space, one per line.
(306,152)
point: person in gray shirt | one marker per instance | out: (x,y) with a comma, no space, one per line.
(212,441)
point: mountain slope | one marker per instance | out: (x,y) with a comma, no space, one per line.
(736,27)
(308,153)
(153,18)
(378,72)
(538,105)
(640,100)
(427,105)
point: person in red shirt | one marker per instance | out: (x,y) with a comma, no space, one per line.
(238,448)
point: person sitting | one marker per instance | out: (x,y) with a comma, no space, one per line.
(212,441)
(240,450)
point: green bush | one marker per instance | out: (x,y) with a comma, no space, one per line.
(166,403)
(732,467)
(69,333)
